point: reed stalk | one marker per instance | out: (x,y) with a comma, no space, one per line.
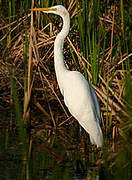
(83,31)
(90,36)
(21,127)
(25,62)
(99,43)
(13,10)
(122,17)
(9,35)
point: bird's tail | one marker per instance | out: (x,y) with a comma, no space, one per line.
(97,138)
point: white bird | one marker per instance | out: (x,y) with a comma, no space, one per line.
(79,95)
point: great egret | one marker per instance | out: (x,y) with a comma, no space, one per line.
(79,95)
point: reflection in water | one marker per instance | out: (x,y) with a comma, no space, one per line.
(56,154)
(60,153)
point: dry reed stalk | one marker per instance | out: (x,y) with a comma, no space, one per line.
(52,88)
(125,58)
(41,75)
(41,108)
(13,29)
(64,121)
(30,82)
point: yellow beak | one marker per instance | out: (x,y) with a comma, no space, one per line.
(43,9)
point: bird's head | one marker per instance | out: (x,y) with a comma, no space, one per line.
(58,10)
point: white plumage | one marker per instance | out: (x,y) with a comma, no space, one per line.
(79,95)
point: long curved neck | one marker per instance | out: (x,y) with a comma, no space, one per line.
(58,46)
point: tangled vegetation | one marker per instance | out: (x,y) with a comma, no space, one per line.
(98,45)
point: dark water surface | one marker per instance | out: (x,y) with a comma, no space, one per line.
(48,157)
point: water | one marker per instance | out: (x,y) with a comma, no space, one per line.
(51,155)
(63,153)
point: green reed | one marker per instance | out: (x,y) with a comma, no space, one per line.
(17,105)
(83,31)
(22,131)
(10,18)
(103,56)
(90,36)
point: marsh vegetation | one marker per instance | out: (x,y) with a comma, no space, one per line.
(39,137)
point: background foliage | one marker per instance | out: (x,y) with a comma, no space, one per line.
(98,45)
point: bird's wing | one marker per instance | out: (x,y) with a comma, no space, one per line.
(81,100)
(79,95)
(96,102)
